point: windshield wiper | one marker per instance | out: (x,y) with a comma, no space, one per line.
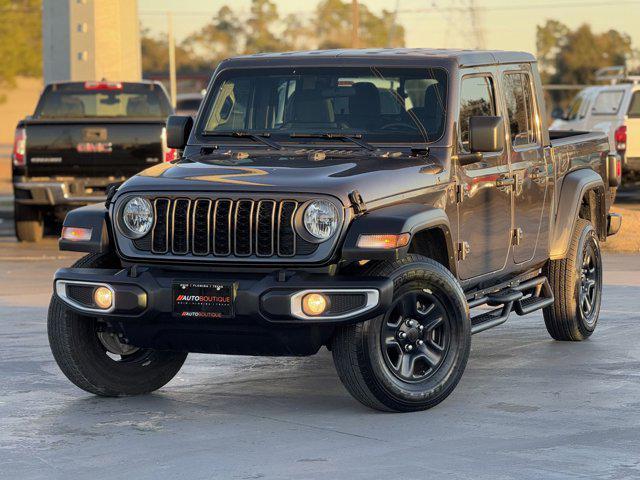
(354,138)
(256,137)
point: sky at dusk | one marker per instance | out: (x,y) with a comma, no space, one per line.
(506,24)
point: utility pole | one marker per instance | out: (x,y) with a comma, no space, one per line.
(355,24)
(476,25)
(172,59)
(392,27)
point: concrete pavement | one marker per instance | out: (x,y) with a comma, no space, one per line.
(526,408)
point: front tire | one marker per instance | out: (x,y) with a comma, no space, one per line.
(576,282)
(95,360)
(412,357)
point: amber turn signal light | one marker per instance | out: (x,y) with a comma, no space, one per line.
(76,234)
(314,304)
(384,242)
(103,297)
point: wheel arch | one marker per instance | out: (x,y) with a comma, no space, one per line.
(582,195)
(429,228)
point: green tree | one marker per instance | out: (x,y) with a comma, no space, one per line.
(573,56)
(221,38)
(155,55)
(332,24)
(20,40)
(260,38)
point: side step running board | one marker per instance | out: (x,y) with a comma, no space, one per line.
(523,298)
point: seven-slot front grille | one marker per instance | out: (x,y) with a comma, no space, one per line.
(225,227)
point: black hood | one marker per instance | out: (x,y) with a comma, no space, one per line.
(374,176)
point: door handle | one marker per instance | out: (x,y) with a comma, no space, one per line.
(504,183)
(539,175)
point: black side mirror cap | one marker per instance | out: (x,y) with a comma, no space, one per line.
(486,134)
(178,130)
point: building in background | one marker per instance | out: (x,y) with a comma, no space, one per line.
(91,40)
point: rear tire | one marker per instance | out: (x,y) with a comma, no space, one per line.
(576,282)
(88,356)
(412,357)
(29,224)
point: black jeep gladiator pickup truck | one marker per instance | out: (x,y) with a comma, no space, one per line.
(367,201)
(82,137)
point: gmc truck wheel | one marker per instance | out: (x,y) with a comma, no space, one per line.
(412,357)
(576,282)
(29,224)
(95,360)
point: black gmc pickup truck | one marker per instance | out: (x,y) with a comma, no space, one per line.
(82,137)
(366,201)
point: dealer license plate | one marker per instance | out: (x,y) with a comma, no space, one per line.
(203,300)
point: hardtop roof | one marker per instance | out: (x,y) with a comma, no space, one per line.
(461,57)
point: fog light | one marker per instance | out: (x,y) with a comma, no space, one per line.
(314,304)
(103,297)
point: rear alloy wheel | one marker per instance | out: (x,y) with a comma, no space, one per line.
(412,357)
(576,281)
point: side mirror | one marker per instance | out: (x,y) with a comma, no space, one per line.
(557,113)
(178,130)
(486,134)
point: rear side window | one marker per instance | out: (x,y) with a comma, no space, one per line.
(519,101)
(634,107)
(477,99)
(576,107)
(608,102)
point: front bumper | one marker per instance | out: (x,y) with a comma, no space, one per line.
(62,191)
(264,321)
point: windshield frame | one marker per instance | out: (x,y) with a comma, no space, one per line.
(225,72)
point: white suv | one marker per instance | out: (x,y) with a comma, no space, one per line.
(614,109)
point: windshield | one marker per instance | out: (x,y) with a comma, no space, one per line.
(77,100)
(381,104)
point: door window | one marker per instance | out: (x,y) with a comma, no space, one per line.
(608,102)
(519,100)
(477,99)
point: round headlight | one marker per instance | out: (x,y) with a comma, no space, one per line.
(137,217)
(321,219)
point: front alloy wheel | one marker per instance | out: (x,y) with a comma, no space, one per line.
(412,357)
(415,336)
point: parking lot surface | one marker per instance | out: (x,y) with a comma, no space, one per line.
(526,408)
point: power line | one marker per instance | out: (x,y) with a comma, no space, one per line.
(434,8)
(524,7)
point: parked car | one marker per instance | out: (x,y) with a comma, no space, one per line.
(188,103)
(613,109)
(308,212)
(82,137)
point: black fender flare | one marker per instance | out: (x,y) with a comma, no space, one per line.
(574,187)
(95,217)
(396,219)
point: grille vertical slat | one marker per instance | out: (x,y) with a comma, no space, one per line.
(243,242)
(160,233)
(201,227)
(180,226)
(286,233)
(225,227)
(265,222)
(222,227)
